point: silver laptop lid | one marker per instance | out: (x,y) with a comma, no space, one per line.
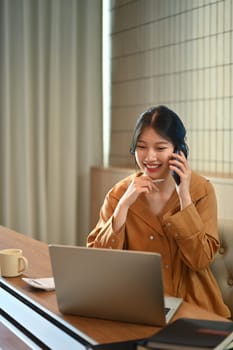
(111,284)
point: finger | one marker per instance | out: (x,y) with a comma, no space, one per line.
(149,185)
(142,186)
(148,182)
(176,169)
(176,163)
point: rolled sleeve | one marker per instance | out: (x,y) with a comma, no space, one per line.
(197,243)
(184,223)
(105,237)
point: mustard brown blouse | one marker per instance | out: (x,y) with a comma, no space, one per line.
(187,240)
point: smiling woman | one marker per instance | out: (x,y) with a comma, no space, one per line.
(170,137)
(148,211)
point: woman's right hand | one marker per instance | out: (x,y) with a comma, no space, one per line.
(140,184)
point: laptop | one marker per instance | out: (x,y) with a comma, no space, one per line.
(119,285)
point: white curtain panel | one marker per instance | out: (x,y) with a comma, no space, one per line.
(50,115)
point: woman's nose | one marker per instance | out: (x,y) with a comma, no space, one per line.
(151,154)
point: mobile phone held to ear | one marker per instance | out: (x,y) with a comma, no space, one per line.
(181,148)
(174,174)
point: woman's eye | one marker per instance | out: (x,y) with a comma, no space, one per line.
(140,147)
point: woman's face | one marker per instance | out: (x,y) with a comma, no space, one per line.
(153,153)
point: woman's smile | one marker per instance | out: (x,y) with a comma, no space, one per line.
(152,168)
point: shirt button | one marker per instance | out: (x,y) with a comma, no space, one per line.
(166,267)
(113,240)
(168,224)
(151,237)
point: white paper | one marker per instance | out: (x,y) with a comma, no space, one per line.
(41,283)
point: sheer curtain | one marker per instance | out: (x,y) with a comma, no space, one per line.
(50,115)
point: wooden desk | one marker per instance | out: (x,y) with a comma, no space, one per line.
(102,331)
(11,341)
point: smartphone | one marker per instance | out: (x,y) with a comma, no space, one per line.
(177,150)
(174,174)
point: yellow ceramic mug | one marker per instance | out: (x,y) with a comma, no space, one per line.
(12,262)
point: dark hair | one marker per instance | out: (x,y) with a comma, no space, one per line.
(166,123)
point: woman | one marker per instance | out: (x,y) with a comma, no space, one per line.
(165,208)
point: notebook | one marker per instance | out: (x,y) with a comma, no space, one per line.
(119,285)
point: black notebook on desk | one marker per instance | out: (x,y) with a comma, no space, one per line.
(192,334)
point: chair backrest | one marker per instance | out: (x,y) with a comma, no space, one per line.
(222,266)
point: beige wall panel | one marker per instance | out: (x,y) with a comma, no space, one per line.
(121,143)
(102,179)
(122,161)
(178,53)
(126,118)
(132,93)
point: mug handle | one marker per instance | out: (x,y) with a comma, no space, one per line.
(23,263)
